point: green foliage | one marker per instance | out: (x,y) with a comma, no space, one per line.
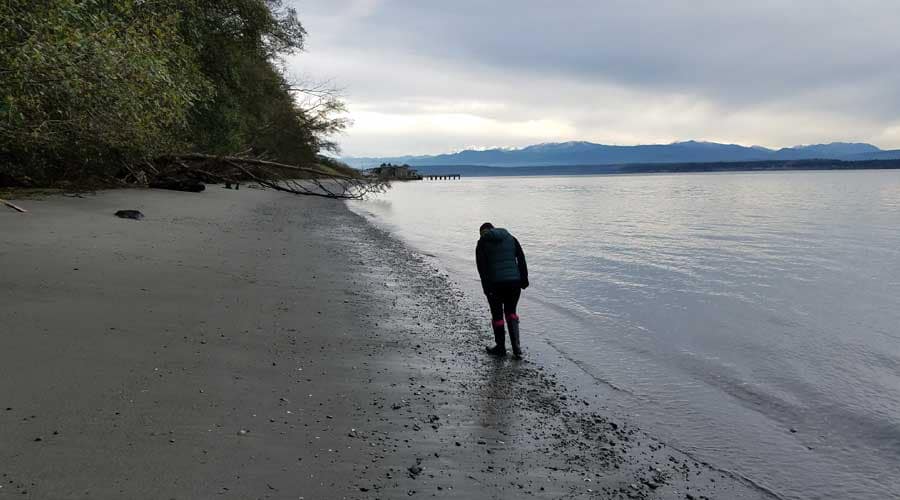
(254,106)
(87,86)
(88,82)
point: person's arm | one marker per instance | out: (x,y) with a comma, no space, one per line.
(481,263)
(523,267)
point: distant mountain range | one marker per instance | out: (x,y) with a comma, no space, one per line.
(588,153)
(651,168)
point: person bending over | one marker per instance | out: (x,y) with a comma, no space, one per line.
(504,274)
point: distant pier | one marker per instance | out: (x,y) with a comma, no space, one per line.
(389,172)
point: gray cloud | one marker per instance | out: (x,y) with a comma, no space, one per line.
(773,72)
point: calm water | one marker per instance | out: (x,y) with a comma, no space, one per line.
(718,311)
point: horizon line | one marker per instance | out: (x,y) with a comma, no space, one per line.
(519,148)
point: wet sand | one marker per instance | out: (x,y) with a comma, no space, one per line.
(250,344)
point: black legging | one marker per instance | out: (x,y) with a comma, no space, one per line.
(503,301)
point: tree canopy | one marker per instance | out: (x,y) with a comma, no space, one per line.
(88,87)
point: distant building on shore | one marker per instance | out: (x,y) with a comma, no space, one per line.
(391,172)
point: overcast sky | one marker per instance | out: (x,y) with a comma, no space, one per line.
(433,76)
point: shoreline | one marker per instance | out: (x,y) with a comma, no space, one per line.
(249,344)
(575,383)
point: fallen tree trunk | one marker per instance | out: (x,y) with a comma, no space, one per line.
(297,187)
(254,161)
(273,175)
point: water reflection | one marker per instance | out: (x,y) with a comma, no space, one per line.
(497,395)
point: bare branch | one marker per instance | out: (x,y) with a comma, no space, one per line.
(307,181)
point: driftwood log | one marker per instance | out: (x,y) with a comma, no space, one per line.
(13,206)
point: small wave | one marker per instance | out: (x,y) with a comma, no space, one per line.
(737,476)
(731,474)
(583,367)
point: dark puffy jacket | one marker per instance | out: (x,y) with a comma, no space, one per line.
(500,260)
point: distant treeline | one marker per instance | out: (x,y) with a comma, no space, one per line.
(646,168)
(88,87)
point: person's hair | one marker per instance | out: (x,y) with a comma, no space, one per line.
(486,225)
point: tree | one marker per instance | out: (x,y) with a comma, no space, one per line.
(97,87)
(255,106)
(88,83)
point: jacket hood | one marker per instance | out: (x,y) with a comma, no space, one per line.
(496,234)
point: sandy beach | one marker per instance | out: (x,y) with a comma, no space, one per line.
(251,344)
